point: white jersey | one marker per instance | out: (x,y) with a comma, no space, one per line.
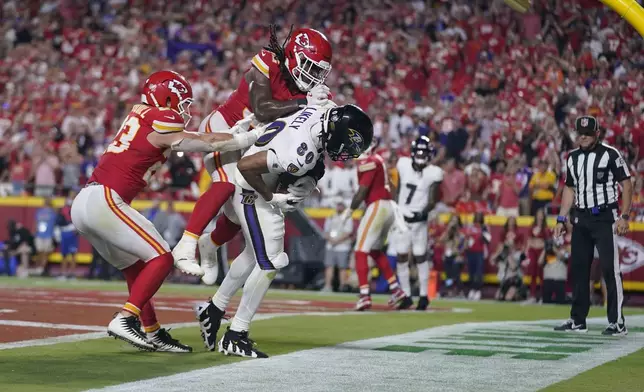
(413,190)
(293,144)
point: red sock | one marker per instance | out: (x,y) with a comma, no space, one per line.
(362,270)
(148,316)
(385,269)
(208,206)
(224,231)
(148,281)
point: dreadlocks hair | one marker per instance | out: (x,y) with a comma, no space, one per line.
(277,49)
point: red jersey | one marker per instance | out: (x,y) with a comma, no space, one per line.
(372,173)
(130,160)
(237,106)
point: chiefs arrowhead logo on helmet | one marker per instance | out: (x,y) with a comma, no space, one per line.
(302,39)
(168,89)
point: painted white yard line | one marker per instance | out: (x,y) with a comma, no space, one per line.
(96,304)
(8,311)
(34,324)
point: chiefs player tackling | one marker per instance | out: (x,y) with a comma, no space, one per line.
(380,216)
(102,213)
(281,80)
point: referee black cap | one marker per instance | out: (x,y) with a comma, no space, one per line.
(586,125)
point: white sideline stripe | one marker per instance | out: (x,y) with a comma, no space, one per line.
(98,335)
(34,324)
(97,304)
(8,311)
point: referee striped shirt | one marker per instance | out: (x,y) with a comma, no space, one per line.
(594,175)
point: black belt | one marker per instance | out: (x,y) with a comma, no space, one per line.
(597,210)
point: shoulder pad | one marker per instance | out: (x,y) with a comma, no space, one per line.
(366,166)
(264,61)
(165,120)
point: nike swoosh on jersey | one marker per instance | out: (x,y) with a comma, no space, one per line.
(169,117)
(300,163)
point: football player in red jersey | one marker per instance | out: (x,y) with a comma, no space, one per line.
(101,211)
(379,217)
(280,80)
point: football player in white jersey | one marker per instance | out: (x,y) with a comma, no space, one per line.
(417,195)
(284,157)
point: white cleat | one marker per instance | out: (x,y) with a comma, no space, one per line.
(184,257)
(209,260)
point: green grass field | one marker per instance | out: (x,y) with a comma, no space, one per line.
(102,362)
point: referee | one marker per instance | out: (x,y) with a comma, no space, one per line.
(593,172)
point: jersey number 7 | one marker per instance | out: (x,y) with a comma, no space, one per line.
(412,190)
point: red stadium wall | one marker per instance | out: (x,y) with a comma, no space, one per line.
(631,248)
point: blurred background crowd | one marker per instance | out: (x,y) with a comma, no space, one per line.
(496,90)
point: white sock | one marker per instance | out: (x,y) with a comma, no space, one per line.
(238,273)
(402,270)
(423,277)
(254,292)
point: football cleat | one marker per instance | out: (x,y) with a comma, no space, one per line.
(570,326)
(163,342)
(397,296)
(185,257)
(615,330)
(209,261)
(128,329)
(364,303)
(405,303)
(423,303)
(209,317)
(239,344)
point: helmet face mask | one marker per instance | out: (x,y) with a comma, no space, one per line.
(347,132)
(308,73)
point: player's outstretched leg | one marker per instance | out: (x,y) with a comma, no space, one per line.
(236,341)
(210,313)
(362,270)
(423,280)
(210,243)
(398,298)
(205,210)
(126,325)
(159,337)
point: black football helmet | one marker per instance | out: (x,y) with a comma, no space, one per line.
(422,151)
(347,132)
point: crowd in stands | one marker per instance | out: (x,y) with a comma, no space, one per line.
(496,89)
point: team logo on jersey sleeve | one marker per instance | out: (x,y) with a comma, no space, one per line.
(292,168)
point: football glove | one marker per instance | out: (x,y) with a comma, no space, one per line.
(318,96)
(303,187)
(284,201)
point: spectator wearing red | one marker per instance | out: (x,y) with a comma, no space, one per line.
(535,244)
(507,203)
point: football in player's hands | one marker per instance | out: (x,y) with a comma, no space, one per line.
(284,180)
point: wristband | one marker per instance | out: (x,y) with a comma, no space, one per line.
(561,219)
(625,216)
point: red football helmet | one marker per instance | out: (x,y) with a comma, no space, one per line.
(308,58)
(162,86)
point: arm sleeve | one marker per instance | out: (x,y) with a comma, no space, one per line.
(619,168)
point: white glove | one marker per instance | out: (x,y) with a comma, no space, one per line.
(302,187)
(399,220)
(329,105)
(318,96)
(284,201)
(242,125)
(346,215)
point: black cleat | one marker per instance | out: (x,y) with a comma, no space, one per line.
(615,330)
(405,303)
(128,329)
(163,342)
(423,303)
(570,326)
(209,317)
(238,343)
